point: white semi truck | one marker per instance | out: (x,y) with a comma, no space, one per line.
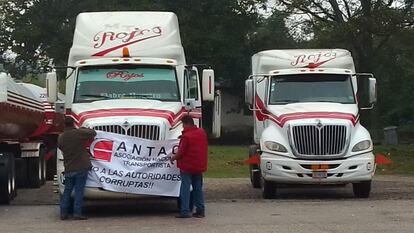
(128,75)
(29,127)
(306,120)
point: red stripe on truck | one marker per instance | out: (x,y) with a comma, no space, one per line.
(263,114)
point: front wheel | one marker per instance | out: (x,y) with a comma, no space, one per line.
(268,189)
(362,189)
(254,169)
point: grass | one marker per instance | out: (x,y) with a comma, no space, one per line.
(402,158)
(227,161)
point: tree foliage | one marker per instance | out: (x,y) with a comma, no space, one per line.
(225,34)
(213,32)
(379,33)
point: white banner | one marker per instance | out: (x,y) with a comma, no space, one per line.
(134,165)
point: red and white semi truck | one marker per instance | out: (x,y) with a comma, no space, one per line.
(129,76)
(306,120)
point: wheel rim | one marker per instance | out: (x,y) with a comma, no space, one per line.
(40,169)
(13,183)
(9,185)
(44,169)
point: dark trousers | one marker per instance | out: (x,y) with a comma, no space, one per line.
(73,180)
(189,180)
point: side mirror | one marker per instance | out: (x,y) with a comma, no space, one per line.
(248,92)
(51,86)
(372,90)
(216,128)
(367,88)
(208,85)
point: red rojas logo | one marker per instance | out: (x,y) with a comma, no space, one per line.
(125,38)
(101,149)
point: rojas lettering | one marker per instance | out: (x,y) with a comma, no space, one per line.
(313,58)
(101,38)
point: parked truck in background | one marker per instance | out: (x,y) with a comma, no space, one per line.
(128,75)
(29,127)
(306,120)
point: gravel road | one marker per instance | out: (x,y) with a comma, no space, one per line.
(232,206)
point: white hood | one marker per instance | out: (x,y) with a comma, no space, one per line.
(281,114)
(279,110)
(114,110)
(173,107)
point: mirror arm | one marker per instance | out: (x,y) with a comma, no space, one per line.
(368,108)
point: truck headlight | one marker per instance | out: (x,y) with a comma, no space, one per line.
(274,146)
(362,145)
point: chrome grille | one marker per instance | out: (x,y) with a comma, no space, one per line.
(151,132)
(311,140)
(110,128)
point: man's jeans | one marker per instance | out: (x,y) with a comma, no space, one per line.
(196,181)
(73,180)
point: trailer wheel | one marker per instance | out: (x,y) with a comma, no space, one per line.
(35,170)
(362,189)
(7,178)
(254,169)
(13,176)
(42,156)
(51,166)
(268,189)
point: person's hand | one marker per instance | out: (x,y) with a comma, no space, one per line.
(172,158)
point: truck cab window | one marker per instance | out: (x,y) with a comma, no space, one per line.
(191,84)
(126,82)
(299,88)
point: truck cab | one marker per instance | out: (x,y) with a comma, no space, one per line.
(306,120)
(128,75)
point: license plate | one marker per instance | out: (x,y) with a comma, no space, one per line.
(319,174)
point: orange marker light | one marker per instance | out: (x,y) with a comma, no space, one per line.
(125,52)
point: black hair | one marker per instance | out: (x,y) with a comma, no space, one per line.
(187,120)
(69,122)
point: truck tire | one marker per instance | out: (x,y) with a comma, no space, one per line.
(35,170)
(268,189)
(7,178)
(254,170)
(362,189)
(42,157)
(51,167)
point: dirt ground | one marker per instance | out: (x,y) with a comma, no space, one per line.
(232,206)
(383,188)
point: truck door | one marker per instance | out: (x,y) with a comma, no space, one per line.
(260,101)
(192,91)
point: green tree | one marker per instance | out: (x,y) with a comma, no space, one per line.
(377,32)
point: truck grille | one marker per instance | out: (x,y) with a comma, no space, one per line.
(311,140)
(151,132)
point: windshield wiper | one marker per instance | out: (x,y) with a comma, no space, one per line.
(285,101)
(97,96)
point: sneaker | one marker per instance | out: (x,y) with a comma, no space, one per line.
(80,217)
(64,217)
(199,215)
(183,216)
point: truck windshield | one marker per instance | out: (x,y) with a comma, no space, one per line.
(298,88)
(126,82)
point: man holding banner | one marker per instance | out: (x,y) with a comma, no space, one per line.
(192,162)
(72,143)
